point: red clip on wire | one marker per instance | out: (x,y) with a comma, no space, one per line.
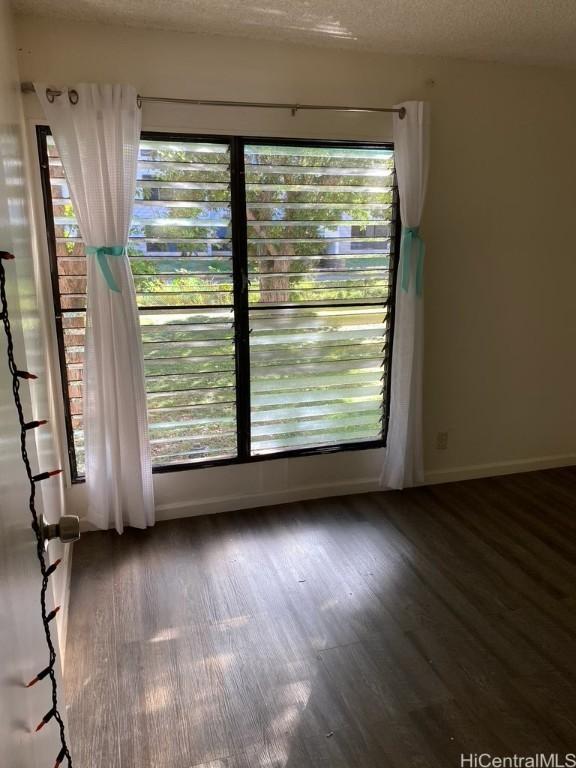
(39,676)
(46,475)
(52,614)
(34,424)
(47,717)
(51,568)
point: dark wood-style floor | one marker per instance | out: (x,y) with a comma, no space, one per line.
(388,629)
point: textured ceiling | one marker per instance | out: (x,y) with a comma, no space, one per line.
(531,31)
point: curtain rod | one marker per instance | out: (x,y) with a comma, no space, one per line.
(52,93)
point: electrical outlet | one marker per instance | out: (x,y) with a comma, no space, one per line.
(441,441)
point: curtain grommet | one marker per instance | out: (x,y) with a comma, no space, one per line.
(50,96)
(402,113)
(139,101)
(73,96)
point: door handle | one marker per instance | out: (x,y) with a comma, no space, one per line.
(67,529)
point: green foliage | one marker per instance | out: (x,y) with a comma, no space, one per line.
(292,214)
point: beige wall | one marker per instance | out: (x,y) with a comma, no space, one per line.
(500,360)
(22,643)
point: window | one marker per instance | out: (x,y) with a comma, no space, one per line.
(264,274)
(364,235)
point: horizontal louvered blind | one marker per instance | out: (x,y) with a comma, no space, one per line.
(181,257)
(320,225)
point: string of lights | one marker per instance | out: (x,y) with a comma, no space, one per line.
(46,571)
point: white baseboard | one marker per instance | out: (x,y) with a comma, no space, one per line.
(231,502)
(192,508)
(216,504)
(475,471)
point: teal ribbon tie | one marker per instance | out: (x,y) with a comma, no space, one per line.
(410,238)
(102,252)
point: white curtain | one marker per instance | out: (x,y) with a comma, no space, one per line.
(97,131)
(403,464)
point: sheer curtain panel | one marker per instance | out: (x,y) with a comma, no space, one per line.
(403,464)
(96,129)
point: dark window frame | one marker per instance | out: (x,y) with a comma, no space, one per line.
(240,296)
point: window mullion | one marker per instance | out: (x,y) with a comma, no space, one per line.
(241,318)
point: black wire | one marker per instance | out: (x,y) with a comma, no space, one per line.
(32,505)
